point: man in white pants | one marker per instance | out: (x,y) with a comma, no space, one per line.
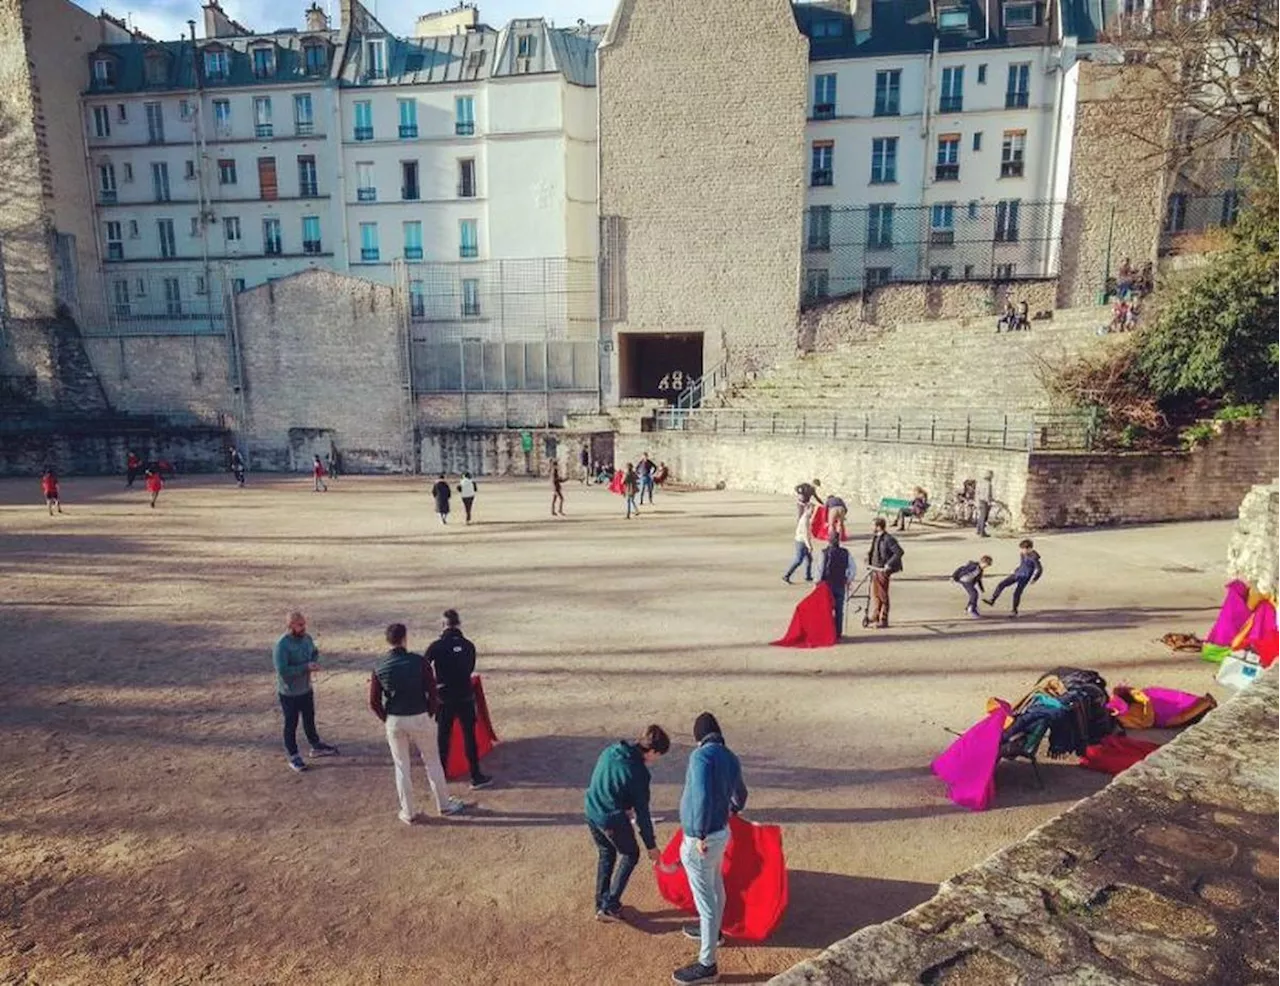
(402,694)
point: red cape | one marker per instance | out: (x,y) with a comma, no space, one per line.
(1116,753)
(813,624)
(615,484)
(755,880)
(457,767)
(819,527)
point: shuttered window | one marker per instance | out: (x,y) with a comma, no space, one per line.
(267,178)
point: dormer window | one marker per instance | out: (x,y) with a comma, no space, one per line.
(526,46)
(315,59)
(828,27)
(953,19)
(215,65)
(104,73)
(375,59)
(156,69)
(264,63)
(1020,15)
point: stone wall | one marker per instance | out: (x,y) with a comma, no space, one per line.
(499,452)
(481,410)
(158,374)
(1252,554)
(85,450)
(702,193)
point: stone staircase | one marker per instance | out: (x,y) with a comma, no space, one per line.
(951,364)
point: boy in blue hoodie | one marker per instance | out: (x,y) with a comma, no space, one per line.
(713,789)
(619,788)
(1029,570)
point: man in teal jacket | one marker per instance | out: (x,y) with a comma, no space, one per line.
(295,657)
(619,788)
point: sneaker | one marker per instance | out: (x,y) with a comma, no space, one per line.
(452,807)
(973,613)
(407,819)
(480,782)
(297,763)
(696,973)
(324,750)
(694,932)
(786,580)
(1014,614)
(608,915)
(989,602)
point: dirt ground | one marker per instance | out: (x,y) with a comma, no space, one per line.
(150,831)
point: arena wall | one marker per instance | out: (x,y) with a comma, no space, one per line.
(500,452)
(102,452)
(164,374)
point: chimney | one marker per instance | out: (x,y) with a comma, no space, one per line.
(218,25)
(317,19)
(458,20)
(860,10)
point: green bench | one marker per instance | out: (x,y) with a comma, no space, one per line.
(889,507)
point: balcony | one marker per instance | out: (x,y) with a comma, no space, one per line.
(222,131)
(409,193)
(155,137)
(412,253)
(366,195)
(464,128)
(272,249)
(173,307)
(301,129)
(946,172)
(1016,100)
(308,191)
(942,237)
(364,133)
(1007,235)
(951,104)
(888,108)
(106,196)
(1010,169)
(123,309)
(263,131)
(820,176)
(368,254)
(466,190)
(115,251)
(824,111)
(311,247)
(471,309)
(468,251)
(408,131)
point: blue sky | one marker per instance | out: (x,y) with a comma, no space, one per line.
(166,19)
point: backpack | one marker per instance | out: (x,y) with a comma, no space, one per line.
(959,574)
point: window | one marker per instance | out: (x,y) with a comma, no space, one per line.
(952,98)
(115,247)
(222,117)
(172,296)
(366,190)
(888,91)
(939,273)
(977,141)
(1017,95)
(470,297)
(815,284)
(101,121)
(1007,221)
(884,160)
(1230,208)
(468,239)
(264,63)
(185,110)
(1175,215)
(215,65)
(237,285)
(467,178)
(368,242)
(155,123)
(1020,14)
(303,121)
(308,185)
(128,172)
(160,181)
(526,46)
(413,240)
(155,69)
(262,127)
(880,226)
(942,224)
(106,183)
(271,244)
(231,229)
(1004,272)
(953,19)
(822,159)
(824,97)
(104,73)
(195,226)
(316,59)
(948,163)
(828,27)
(819,227)
(133,235)
(226,171)
(409,189)
(122,113)
(417,299)
(201,285)
(973,208)
(873,277)
(1012,152)
(375,59)
(364,120)
(982,75)
(189,170)
(164,230)
(408,118)
(464,116)
(120,295)
(268,187)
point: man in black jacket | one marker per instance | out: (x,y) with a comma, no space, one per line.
(837,570)
(453,658)
(441,493)
(884,558)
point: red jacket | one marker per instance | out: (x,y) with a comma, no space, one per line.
(49,484)
(154,483)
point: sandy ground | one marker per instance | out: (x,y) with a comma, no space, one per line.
(150,831)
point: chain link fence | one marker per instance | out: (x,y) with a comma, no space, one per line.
(164,300)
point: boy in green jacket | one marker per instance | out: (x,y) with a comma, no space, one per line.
(619,788)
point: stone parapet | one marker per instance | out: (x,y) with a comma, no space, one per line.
(1255,543)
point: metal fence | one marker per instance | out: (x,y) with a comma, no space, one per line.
(163,300)
(1188,217)
(849,249)
(1025,432)
(494,367)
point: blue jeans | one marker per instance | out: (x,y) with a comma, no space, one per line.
(803,556)
(706,880)
(838,596)
(631,505)
(617,847)
(646,486)
(1019,583)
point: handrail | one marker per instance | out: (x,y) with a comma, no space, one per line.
(693,395)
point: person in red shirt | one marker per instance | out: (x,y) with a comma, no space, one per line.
(317,473)
(49,484)
(154,485)
(132,466)
(557,488)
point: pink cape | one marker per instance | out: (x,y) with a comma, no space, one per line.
(968,766)
(1232,616)
(813,624)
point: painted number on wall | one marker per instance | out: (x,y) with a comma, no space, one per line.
(676,380)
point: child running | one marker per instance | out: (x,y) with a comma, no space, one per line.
(49,484)
(317,474)
(969,577)
(154,485)
(1029,570)
(557,489)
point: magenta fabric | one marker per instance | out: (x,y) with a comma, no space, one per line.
(1169,704)
(1232,616)
(968,766)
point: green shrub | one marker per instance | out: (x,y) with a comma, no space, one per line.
(1238,412)
(1197,434)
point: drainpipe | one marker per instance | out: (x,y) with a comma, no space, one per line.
(930,89)
(602,357)
(1055,247)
